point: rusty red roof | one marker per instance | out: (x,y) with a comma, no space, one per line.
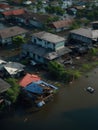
(62,23)
(3,6)
(36,16)
(12,31)
(14,12)
(28,78)
(7,13)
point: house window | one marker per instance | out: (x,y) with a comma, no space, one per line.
(38,57)
(33,55)
(53,46)
(34,40)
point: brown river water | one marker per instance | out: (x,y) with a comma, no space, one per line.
(73,108)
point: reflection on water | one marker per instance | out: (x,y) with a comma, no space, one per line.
(73,108)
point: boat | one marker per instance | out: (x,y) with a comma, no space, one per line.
(90,89)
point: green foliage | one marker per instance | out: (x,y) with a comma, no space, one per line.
(52,19)
(94,51)
(74,73)
(95,63)
(39,5)
(18,40)
(2,106)
(58,71)
(75,25)
(25,61)
(86,66)
(55,9)
(60,2)
(90,12)
(14,91)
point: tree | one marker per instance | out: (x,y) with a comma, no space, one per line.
(75,25)
(52,19)
(60,2)
(55,69)
(14,91)
(39,5)
(55,9)
(58,71)
(19,40)
(74,74)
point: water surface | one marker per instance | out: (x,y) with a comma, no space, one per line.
(73,108)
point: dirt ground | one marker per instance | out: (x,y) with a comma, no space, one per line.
(6,52)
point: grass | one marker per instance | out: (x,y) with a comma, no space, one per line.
(89,66)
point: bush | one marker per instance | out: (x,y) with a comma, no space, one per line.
(94,51)
(58,71)
(14,91)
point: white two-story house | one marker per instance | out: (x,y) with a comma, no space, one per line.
(46,47)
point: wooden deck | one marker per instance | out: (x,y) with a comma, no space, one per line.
(45,99)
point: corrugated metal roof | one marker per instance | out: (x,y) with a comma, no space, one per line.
(62,23)
(11,31)
(86,32)
(49,37)
(14,12)
(35,16)
(13,67)
(28,78)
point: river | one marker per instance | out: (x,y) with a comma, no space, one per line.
(73,108)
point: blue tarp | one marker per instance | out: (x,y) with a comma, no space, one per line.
(34,88)
(49,85)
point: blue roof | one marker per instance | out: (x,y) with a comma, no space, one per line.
(49,85)
(34,88)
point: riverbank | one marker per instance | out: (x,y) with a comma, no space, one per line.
(81,64)
(72,108)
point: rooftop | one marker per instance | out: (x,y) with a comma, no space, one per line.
(13,67)
(49,37)
(27,79)
(39,87)
(11,31)
(62,23)
(13,11)
(86,32)
(35,16)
